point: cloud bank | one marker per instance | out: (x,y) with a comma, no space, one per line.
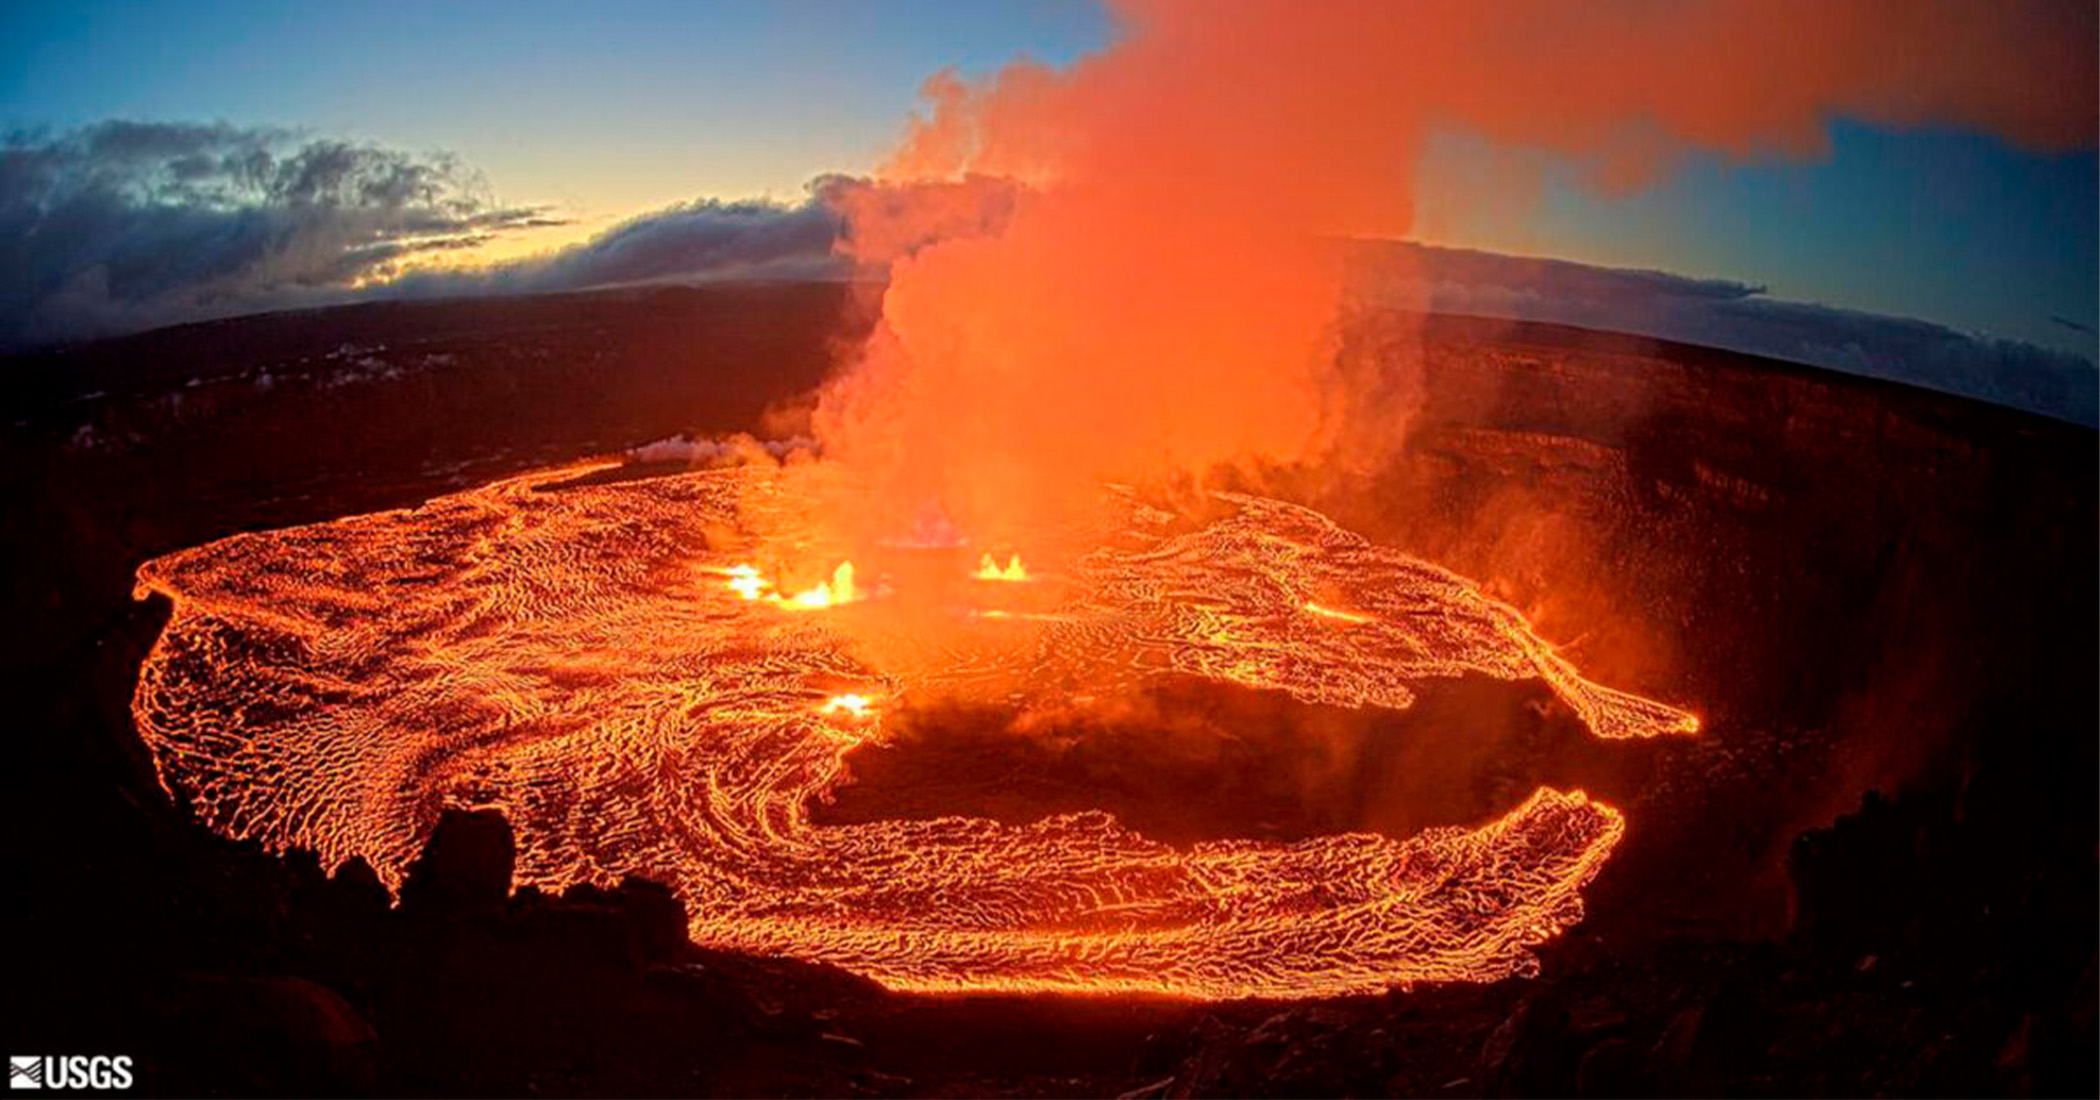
(704,239)
(123,226)
(1722,313)
(126,225)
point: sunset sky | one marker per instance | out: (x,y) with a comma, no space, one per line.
(603,113)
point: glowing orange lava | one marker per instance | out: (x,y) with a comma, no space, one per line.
(1314,608)
(851,704)
(745,581)
(748,583)
(592,660)
(990,570)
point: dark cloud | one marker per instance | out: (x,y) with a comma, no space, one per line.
(1737,316)
(125,225)
(844,225)
(128,225)
(704,239)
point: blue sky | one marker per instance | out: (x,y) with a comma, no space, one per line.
(1950,227)
(611,110)
(610,107)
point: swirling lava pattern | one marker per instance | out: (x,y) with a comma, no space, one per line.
(571,655)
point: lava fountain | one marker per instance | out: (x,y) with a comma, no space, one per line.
(607,663)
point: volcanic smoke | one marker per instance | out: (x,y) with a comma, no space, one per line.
(1117,271)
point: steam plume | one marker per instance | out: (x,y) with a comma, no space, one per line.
(1155,298)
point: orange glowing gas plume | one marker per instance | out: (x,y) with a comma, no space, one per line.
(543,651)
(1123,268)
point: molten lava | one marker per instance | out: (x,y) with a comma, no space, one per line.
(745,581)
(544,650)
(748,583)
(990,570)
(851,704)
(839,589)
(1313,608)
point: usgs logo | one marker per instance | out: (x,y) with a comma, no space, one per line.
(68,1071)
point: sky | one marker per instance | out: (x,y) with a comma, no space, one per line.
(592,115)
(639,105)
(1956,228)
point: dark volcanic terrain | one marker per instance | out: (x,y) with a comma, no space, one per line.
(1873,872)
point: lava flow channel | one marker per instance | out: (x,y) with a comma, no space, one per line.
(577,657)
